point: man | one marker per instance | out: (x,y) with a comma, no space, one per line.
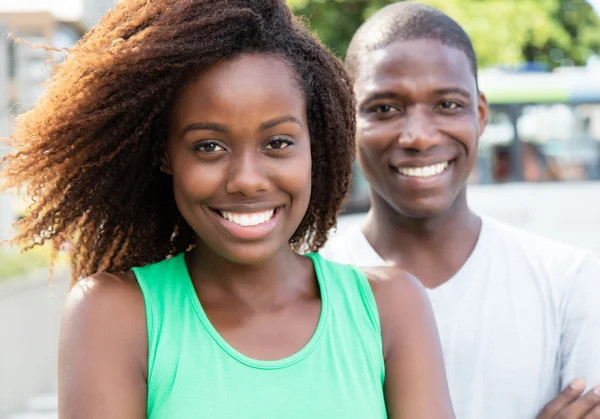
(518,315)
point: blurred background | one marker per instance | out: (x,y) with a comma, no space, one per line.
(538,167)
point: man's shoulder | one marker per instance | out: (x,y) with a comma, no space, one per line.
(527,239)
(340,244)
(533,248)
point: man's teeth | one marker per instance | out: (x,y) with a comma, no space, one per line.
(248,220)
(426,171)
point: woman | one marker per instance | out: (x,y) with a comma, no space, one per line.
(190,150)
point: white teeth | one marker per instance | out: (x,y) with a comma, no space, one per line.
(248,220)
(426,171)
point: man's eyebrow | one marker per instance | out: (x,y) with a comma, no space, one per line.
(442,91)
(208,126)
(453,90)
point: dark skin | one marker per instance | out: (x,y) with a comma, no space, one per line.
(247,149)
(423,112)
(220,163)
(419,105)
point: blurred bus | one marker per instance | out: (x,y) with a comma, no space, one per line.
(539,157)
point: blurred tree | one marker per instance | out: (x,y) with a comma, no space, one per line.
(553,32)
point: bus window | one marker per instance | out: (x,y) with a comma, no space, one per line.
(494,148)
(560,142)
(358,201)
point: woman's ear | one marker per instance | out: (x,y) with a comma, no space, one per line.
(165,163)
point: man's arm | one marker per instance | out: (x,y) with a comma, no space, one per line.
(580,309)
(580,345)
(573,404)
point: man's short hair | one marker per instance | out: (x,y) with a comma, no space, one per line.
(407,21)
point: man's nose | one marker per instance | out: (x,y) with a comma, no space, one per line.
(419,132)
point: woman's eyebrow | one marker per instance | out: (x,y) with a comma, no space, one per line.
(208,126)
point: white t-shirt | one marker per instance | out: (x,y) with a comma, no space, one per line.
(518,322)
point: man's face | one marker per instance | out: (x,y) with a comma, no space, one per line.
(419,118)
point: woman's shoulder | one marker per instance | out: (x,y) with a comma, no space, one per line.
(106,306)
(103,347)
(399,297)
(393,284)
(411,345)
(118,289)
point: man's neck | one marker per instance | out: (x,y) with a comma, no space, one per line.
(433,249)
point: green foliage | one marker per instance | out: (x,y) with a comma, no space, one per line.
(555,32)
(14,264)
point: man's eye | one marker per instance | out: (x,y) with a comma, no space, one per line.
(278,144)
(208,147)
(449,105)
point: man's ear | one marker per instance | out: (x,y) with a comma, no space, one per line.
(483,111)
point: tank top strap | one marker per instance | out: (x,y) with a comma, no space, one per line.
(165,293)
(352,304)
(193,371)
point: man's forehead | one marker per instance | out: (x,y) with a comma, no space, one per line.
(422,59)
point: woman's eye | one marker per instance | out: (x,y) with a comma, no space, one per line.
(385,109)
(278,144)
(208,147)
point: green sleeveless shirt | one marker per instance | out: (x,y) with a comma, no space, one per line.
(194,373)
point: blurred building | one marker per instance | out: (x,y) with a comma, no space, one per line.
(93,10)
(4,83)
(26,67)
(23,69)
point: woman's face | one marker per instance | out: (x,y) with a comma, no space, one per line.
(239,153)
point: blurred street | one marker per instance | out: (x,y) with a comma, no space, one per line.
(538,162)
(30,311)
(39,407)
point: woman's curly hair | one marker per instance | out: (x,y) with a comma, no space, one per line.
(88,153)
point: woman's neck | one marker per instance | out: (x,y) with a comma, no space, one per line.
(278,279)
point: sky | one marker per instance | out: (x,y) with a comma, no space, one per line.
(72,9)
(63,9)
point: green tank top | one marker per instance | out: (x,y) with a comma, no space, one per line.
(194,373)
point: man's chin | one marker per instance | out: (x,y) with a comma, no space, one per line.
(424,210)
